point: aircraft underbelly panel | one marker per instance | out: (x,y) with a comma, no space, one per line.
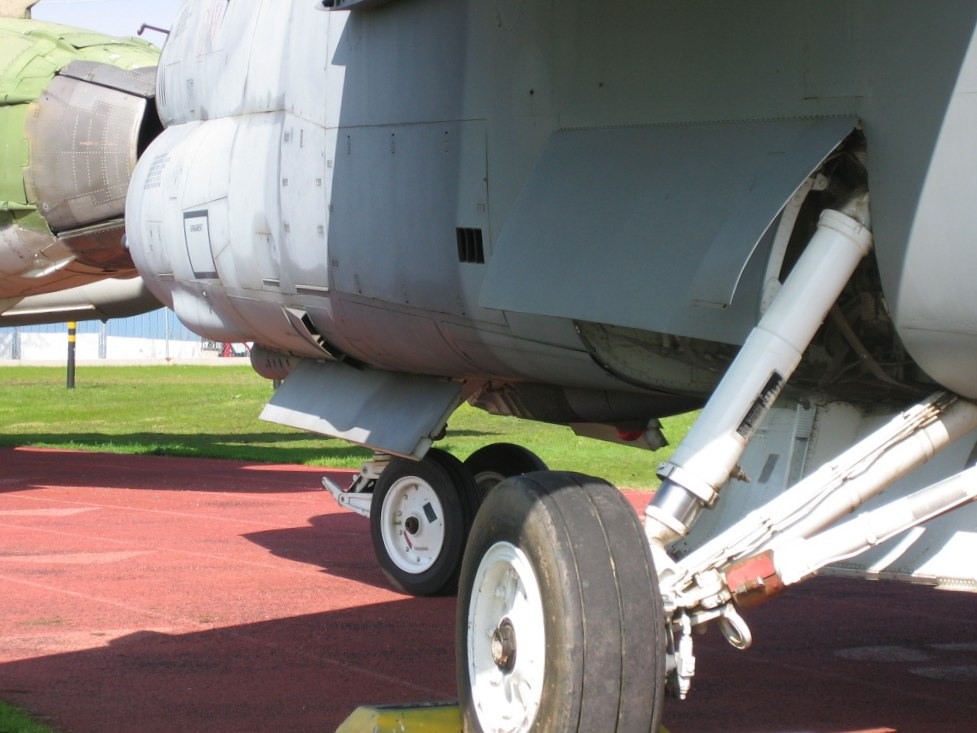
(111,298)
(661,219)
(392,339)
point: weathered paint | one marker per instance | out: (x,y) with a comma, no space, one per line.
(35,260)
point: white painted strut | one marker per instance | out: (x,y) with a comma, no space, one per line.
(881,471)
(710,452)
(801,558)
(836,489)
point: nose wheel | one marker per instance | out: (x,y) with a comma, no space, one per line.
(420,515)
(560,623)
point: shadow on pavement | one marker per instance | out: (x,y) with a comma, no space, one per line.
(44,467)
(305,673)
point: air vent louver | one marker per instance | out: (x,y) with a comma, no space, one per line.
(470,247)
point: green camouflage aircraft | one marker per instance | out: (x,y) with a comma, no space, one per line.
(76,110)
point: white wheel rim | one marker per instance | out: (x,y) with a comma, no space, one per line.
(412,524)
(506,695)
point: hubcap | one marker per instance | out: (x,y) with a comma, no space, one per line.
(504,646)
(506,678)
(412,524)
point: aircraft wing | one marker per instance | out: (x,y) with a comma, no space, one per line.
(111,298)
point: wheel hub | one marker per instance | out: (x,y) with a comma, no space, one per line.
(506,678)
(504,646)
(412,524)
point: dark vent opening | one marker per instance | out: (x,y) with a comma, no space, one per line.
(150,129)
(470,247)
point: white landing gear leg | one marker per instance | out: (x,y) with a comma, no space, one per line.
(708,456)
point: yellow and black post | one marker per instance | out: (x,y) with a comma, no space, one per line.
(72,337)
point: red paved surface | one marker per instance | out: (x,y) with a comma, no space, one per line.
(163,594)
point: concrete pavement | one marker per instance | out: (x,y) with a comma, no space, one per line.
(161,594)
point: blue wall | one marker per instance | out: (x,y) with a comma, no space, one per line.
(155,325)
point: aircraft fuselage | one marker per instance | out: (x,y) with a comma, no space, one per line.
(453,188)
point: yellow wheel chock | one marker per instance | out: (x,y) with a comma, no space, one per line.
(427,718)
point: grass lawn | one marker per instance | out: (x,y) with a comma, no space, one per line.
(13,720)
(213,412)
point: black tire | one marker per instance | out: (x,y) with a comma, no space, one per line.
(419,541)
(464,484)
(601,612)
(494,463)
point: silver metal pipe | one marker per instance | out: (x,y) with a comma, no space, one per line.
(839,487)
(958,419)
(801,558)
(710,452)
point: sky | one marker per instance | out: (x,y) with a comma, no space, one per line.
(113,17)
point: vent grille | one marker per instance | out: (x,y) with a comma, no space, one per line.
(470,247)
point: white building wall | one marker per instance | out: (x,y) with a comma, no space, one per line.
(54,347)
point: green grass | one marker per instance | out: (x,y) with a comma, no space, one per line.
(213,412)
(13,720)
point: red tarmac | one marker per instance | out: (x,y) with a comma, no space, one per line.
(163,594)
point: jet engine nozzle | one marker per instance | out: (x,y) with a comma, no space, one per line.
(85,134)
